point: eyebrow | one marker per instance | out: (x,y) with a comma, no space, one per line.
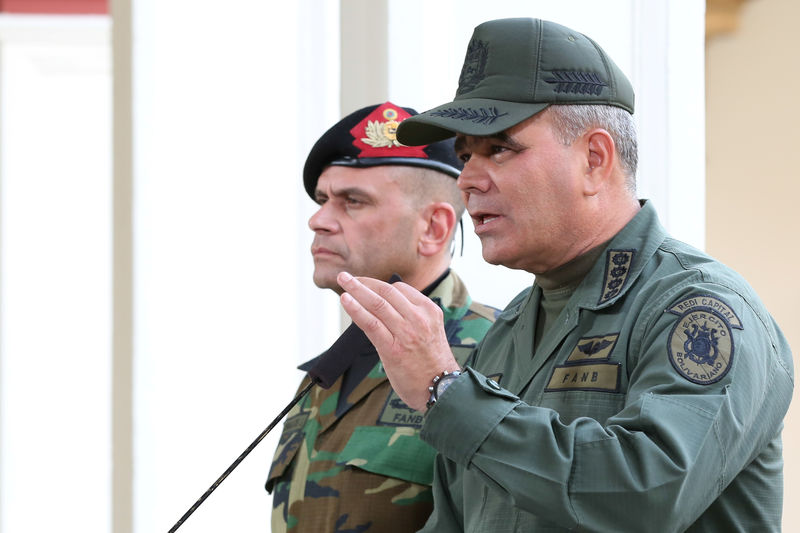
(346,191)
(462,140)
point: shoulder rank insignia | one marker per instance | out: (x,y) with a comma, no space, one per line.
(618,266)
(700,345)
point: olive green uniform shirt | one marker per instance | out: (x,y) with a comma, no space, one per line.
(359,465)
(654,403)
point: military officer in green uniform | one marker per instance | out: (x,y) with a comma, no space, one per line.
(350,457)
(638,385)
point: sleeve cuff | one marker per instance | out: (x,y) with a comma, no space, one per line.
(467,412)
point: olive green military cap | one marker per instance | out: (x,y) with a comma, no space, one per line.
(515,68)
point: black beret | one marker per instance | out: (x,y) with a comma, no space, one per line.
(366,138)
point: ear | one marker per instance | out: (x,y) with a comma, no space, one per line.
(439,219)
(601,157)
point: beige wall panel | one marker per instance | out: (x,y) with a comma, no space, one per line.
(753,181)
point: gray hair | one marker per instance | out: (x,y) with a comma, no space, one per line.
(570,121)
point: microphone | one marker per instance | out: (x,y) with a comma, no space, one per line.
(327,369)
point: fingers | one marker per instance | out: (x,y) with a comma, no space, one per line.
(400,308)
(406,328)
(376,331)
(375,297)
(412,294)
(404,299)
(368,310)
(372,294)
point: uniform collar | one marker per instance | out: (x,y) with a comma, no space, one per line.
(618,265)
(623,259)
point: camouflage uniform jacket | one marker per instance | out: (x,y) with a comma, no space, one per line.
(359,465)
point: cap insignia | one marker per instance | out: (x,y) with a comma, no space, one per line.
(479,116)
(570,81)
(381,134)
(474,67)
(376,134)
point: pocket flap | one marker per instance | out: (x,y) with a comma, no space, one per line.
(290,441)
(395,452)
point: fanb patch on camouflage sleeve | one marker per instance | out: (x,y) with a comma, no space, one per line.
(700,345)
(396,413)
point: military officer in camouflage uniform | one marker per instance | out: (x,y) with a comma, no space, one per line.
(638,385)
(350,458)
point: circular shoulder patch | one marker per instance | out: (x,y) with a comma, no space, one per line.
(700,346)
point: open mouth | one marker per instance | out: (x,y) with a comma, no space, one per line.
(481,219)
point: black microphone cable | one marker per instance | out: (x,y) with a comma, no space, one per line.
(327,368)
(245,453)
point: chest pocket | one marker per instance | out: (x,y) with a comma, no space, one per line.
(288,445)
(392,447)
(573,404)
(389,451)
(588,383)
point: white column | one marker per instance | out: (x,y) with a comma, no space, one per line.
(55,283)
(227,99)
(668,68)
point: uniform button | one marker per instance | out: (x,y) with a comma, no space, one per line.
(492,383)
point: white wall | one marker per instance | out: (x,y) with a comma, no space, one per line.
(225,105)
(55,273)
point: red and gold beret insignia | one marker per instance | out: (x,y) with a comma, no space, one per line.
(376,134)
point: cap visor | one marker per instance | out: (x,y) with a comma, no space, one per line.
(470,116)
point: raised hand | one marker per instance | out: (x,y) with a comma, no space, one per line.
(406,328)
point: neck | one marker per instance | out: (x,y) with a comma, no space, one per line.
(606,220)
(570,274)
(426,273)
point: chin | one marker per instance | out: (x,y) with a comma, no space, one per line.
(493,257)
(511,261)
(327,282)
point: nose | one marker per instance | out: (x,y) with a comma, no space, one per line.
(323,221)
(474,178)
